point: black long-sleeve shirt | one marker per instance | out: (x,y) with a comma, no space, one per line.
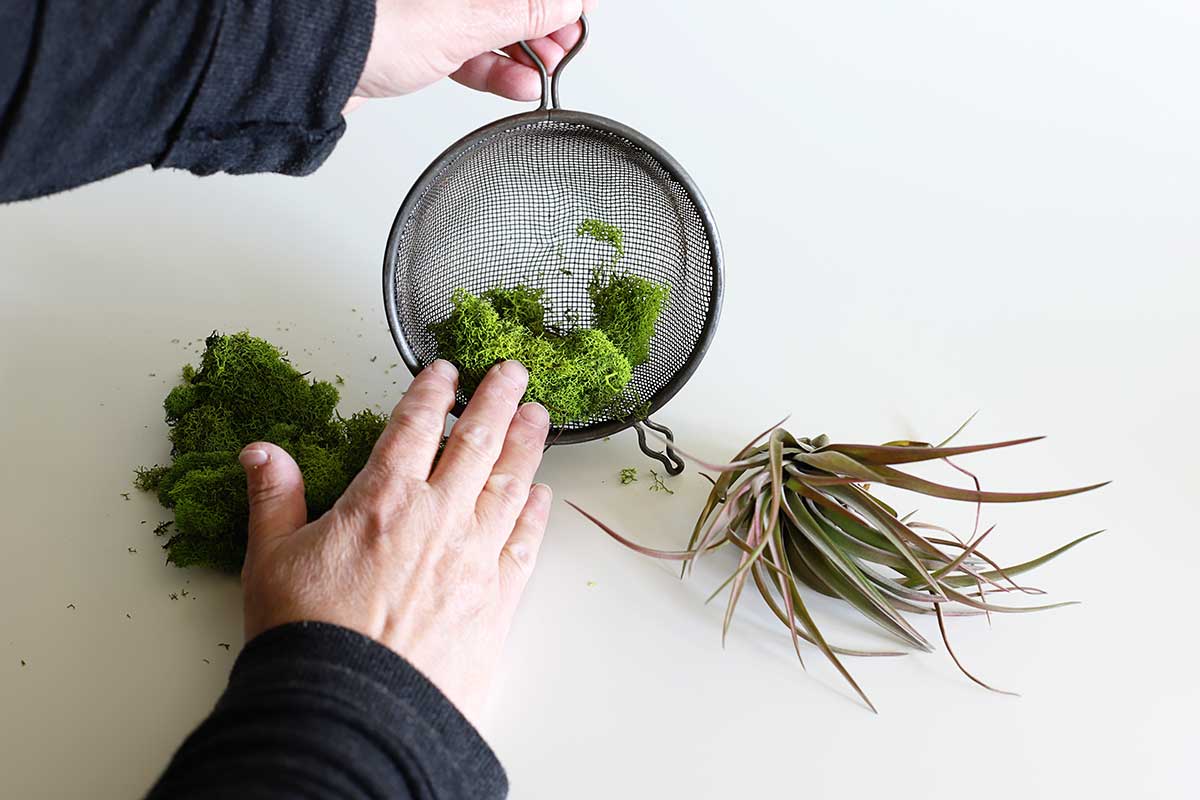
(90,88)
(94,87)
(318,711)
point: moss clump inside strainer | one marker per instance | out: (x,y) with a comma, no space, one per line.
(576,373)
(626,309)
(246,391)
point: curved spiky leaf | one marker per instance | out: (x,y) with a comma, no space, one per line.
(914,452)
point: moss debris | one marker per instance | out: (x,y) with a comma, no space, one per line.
(604,232)
(628,476)
(659,485)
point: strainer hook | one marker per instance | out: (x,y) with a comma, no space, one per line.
(550,85)
(670,460)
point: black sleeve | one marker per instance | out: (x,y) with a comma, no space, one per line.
(318,711)
(89,88)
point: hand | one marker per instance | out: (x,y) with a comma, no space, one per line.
(419,42)
(430,565)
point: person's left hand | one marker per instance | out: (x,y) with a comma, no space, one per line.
(419,42)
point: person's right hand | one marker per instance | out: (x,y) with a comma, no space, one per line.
(428,561)
(418,42)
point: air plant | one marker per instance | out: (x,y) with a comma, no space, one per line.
(800,512)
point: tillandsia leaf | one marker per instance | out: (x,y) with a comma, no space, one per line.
(837,464)
(724,517)
(779,557)
(801,612)
(855,547)
(838,571)
(896,533)
(902,480)
(959,429)
(758,572)
(1026,566)
(721,485)
(961,668)
(739,579)
(666,555)
(775,450)
(749,558)
(967,600)
(914,451)
(801,551)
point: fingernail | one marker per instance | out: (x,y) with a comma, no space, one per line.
(254,457)
(541,494)
(445,369)
(534,414)
(515,371)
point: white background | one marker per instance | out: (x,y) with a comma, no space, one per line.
(928,208)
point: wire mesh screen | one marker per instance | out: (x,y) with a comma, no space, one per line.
(505,210)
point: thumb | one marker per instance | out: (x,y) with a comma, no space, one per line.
(516,20)
(275,489)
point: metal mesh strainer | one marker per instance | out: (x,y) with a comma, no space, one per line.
(501,207)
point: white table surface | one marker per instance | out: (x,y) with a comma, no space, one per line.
(928,208)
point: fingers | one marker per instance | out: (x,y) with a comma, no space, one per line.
(507,490)
(516,77)
(519,555)
(501,76)
(275,489)
(547,49)
(413,435)
(477,438)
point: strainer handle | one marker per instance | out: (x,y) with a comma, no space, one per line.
(549,84)
(670,460)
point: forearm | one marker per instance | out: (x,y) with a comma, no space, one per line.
(89,89)
(320,711)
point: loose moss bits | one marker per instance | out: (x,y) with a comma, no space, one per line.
(245,391)
(659,485)
(628,476)
(604,232)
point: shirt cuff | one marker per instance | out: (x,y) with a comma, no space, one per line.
(388,695)
(272,91)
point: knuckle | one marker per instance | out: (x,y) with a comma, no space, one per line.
(508,489)
(521,557)
(418,416)
(476,438)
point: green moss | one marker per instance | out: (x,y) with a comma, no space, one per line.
(628,475)
(604,232)
(521,305)
(575,376)
(626,308)
(244,391)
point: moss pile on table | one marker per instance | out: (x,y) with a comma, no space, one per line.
(245,391)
